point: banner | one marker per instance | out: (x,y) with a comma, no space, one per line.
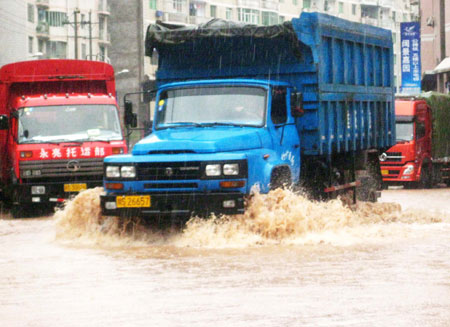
(410,51)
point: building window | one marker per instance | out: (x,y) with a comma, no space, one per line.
(393,16)
(83,51)
(178,5)
(341,7)
(354,9)
(395,59)
(56,18)
(152,4)
(30,13)
(306,3)
(30,44)
(394,38)
(295,2)
(269,18)
(41,46)
(281,19)
(248,15)
(405,18)
(102,53)
(229,13)
(213,11)
(57,49)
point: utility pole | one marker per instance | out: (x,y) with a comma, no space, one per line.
(76,12)
(75,26)
(440,77)
(90,34)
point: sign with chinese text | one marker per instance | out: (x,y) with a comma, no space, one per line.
(410,51)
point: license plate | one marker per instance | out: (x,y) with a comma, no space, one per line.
(384,172)
(133,201)
(74,187)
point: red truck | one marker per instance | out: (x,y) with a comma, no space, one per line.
(58,120)
(421,157)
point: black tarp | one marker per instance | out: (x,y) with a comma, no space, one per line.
(161,34)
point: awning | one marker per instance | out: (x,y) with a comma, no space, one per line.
(443,67)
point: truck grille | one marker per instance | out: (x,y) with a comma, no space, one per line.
(61,170)
(394,156)
(169,171)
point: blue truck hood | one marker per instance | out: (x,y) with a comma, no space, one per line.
(200,140)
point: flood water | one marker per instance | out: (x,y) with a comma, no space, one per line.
(286,262)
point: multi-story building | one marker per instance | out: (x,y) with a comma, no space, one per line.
(33,29)
(435,39)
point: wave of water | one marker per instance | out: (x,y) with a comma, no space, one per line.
(280,217)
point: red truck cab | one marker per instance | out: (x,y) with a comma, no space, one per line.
(59,119)
(408,162)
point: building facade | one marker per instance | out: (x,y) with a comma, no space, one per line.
(38,29)
(435,39)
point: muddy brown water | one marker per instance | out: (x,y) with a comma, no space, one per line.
(286,262)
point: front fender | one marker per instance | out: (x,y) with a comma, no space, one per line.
(261,168)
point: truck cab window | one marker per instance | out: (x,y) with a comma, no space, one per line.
(279,108)
(420,130)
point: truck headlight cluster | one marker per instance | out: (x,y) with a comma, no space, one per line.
(31,173)
(230,169)
(409,170)
(120,171)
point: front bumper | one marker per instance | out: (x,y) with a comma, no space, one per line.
(54,192)
(178,204)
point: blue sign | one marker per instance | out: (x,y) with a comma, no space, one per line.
(410,46)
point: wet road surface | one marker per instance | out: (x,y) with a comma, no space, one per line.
(329,267)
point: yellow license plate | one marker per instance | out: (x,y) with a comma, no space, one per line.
(133,201)
(74,187)
(384,172)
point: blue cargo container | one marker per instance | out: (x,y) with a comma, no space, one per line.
(332,79)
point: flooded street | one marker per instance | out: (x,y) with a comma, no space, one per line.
(287,262)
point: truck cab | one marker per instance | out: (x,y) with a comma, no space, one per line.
(409,160)
(213,141)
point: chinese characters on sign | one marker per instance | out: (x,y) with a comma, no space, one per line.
(410,51)
(83,152)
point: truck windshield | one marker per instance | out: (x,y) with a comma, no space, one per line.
(68,123)
(404,131)
(204,106)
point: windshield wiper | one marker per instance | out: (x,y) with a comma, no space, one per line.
(181,124)
(224,124)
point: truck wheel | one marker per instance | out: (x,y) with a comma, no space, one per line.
(425,178)
(20,211)
(370,184)
(281,177)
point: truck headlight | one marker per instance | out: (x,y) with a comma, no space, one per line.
(112,171)
(231,169)
(128,172)
(38,189)
(409,170)
(213,170)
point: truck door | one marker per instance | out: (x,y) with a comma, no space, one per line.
(422,133)
(283,130)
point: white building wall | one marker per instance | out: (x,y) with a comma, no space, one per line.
(14,31)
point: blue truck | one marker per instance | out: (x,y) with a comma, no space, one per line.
(238,108)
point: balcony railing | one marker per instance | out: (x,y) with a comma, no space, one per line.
(176,7)
(195,20)
(249,3)
(42,3)
(269,4)
(42,30)
(104,38)
(104,8)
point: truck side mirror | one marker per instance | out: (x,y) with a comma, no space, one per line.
(4,122)
(297,104)
(130,118)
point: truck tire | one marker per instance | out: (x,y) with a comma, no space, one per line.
(20,211)
(426,178)
(281,177)
(370,184)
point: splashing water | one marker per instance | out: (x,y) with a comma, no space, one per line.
(279,217)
